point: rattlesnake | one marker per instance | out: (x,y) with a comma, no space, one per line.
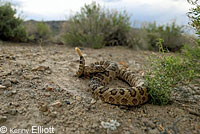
(102,72)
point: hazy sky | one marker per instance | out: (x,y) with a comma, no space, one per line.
(162,11)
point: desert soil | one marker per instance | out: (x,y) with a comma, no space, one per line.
(38,88)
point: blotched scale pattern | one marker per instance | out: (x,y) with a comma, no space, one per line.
(102,72)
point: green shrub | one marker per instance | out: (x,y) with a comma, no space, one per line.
(11,28)
(137,39)
(43,32)
(168,72)
(170,33)
(38,31)
(194,15)
(95,27)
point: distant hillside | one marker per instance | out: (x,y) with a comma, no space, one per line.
(54,25)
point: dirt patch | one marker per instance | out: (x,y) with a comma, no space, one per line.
(37,88)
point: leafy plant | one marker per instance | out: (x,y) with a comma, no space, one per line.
(194,15)
(95,27)
(11,28)
(43,31)
(168,72)
(170,33)
(38,31)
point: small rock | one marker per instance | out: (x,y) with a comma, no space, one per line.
(21,110)
(56,103)
(8,93)
(14,91)
(47,120)
(32,95)
(47,94)
(14,81)
(48,71)
(153,131)
(3,119)
(49,88)
(40,88)
(148,123)
(196,88)
(93,101)
(7,83)
(36,77)
(85,124)
(53,114)
(67,102)
(44,108)
(78,98)
(197,97)
(195,132)
(40,68)
(46,113)
(16,104)
(13,112)
(2,87)
(95,125)
(27,77)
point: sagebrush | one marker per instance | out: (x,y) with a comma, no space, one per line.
(38,31)
(165,73)
(172,35)
(96,27)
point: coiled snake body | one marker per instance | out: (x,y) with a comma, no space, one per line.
(102,72)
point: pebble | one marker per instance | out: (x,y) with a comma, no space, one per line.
(27,77)
(196,88)
(44,108)
(45,113)
(153,131)
(49,88)
(13,111)
(95,125)
(53,114)
(93,101)
(14,81)
(47,120)
(48,71)
(78,98)
(67,102)
(2,87)
(7,83)
(47,94)
(3,119)
(8,93)
(14,91)
(32,95)
(148,123)
(197,97)
(57,104)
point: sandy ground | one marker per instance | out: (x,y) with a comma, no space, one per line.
(37,88)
